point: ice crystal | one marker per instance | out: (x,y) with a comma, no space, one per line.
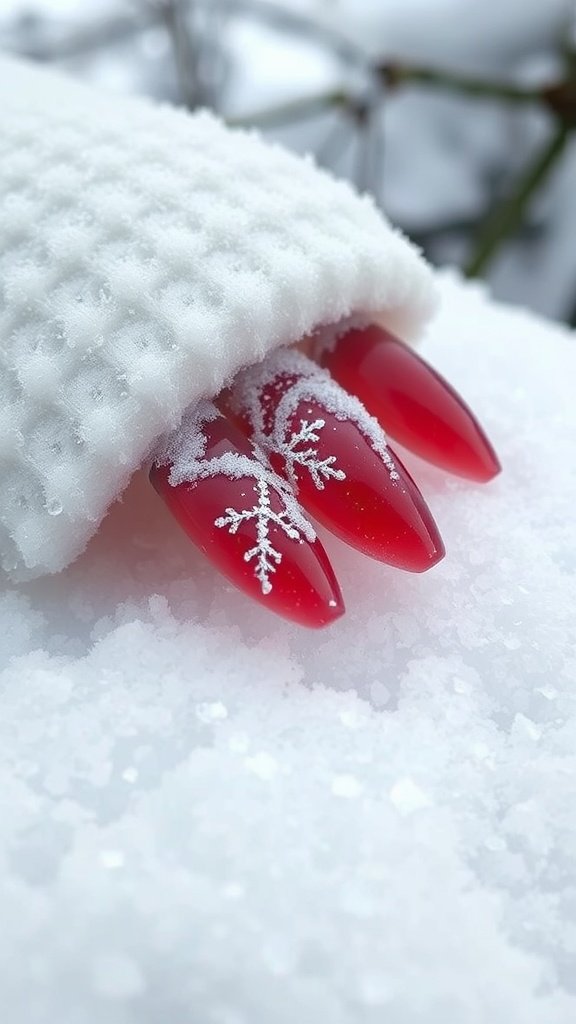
(319,469)
(267,558)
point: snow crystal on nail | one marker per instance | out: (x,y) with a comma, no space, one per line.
(307,382)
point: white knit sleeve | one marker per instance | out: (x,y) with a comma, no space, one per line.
(145,256)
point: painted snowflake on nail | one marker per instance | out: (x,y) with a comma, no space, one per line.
(268,396)
(265,555)
(320,469)
(185,453)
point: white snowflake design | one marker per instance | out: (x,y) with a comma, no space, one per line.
(184,451)
(310,383)
(320,469)
(266,556)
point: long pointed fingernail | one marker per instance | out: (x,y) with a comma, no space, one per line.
(245,519)
(412,401)
(325,443)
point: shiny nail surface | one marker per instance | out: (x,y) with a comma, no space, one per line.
(323,441)
(245,520)
(412,401)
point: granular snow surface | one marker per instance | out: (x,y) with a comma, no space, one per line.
(209,816)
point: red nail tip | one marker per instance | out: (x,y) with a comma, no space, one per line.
(412,401)
(248,528)
(335,454)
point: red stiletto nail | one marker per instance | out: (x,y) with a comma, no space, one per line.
(245,518)
(413,402)
(325,443)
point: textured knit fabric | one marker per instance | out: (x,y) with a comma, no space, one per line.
(145,256)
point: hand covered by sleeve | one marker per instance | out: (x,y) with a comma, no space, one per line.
(146,256)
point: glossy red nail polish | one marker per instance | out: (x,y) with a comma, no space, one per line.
(324,442)
(245,519)
(413,402)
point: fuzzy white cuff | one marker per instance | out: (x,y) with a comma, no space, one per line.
(147,255)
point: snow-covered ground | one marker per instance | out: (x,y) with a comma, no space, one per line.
(210,815)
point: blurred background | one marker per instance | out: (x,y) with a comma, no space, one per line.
(459,116)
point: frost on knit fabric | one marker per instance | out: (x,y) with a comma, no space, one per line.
(145,257)
(209,814)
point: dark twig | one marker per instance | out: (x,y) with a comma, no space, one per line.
(370,156)
(401,74)
(175,15)
(336,141)
(461,228)
(507,215)
(95,36)
(302,24)
(295,110)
